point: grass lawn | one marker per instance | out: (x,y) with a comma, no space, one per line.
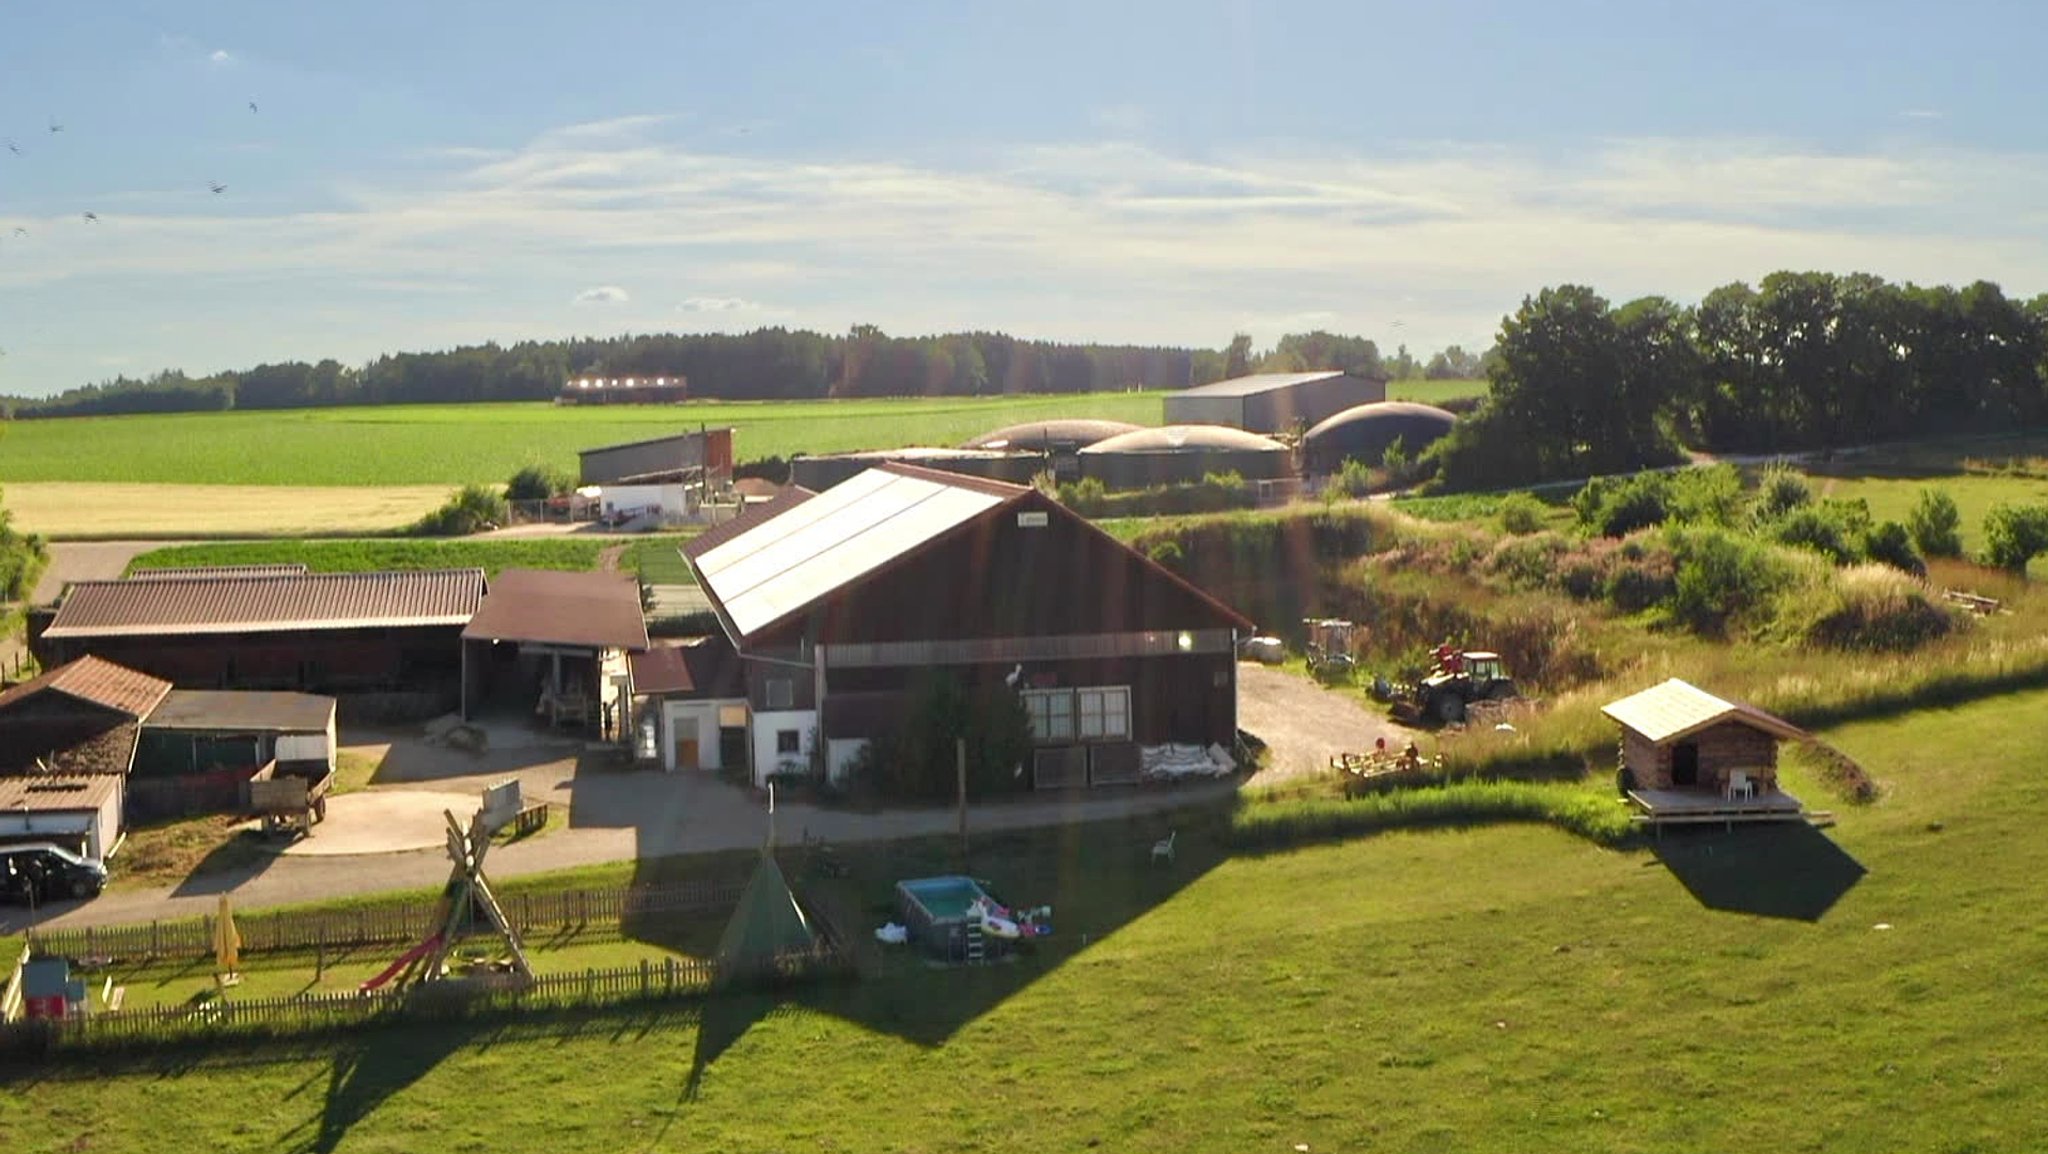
(1508,988)
(1435,392)
(572,553)
(453,444)
(657,560)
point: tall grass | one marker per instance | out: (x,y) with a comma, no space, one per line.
(1288,822)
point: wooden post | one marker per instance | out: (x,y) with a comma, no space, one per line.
(960,775)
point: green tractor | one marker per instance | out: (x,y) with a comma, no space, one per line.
(1459,678)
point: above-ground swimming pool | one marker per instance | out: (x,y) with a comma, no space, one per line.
(936,912)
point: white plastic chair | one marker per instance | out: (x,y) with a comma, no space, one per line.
(1739,784)
(1163,848)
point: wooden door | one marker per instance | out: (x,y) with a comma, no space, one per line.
(686,753)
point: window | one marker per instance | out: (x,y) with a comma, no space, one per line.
(788,740)
(1052,713)
(781,693)
(1105,713)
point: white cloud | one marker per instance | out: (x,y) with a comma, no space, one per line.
(1106,240)
(221,56)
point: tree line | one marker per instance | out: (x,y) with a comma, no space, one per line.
(1579,387)
(767,364)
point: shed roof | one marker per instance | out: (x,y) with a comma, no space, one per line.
(242,710)
(706,668)
(1266,383)
(44,793)
(546,607)
(201,572)
(268,604)
(807,549)
(693,434)
(97,682)
(1677,709)
(1185,439)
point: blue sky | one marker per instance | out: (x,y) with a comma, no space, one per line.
(425,175)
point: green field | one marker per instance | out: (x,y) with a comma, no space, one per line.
(1862,989)
(573,553)
(456,444)
(1434,392)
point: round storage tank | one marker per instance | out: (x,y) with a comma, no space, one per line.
(1363,434)
(1184,454)
(1058,436)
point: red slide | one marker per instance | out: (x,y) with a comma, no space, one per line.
(405,959)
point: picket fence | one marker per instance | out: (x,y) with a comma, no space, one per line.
(447,999)
(381,925)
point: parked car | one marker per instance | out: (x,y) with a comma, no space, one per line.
(40,872)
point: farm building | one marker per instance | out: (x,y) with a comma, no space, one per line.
(1274,402)
(199,745)
(1183,454)
(387,644)
(80,718)
(839,603)
(701,457)
(80,813)
(554,646)
(821,473)
(624,391)
(692,705)
(1689,755)
(1363,434)
(1065,435)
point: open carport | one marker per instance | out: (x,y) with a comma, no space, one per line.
(553,646)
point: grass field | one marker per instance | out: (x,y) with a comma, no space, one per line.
(160,511)
(491,555)
(454,444)
(1434,392)
(1500,989)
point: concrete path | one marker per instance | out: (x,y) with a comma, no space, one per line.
(1304,724)
(382,821)
(88,561)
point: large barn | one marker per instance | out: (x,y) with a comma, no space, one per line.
(1274,402)
(695,457)
(386,643)
(837,603)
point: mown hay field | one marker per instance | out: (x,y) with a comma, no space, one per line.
(1859,989)
(77,509)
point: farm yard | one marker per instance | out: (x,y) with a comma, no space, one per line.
(1490,988)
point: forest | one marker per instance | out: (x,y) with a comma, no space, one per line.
(767,364)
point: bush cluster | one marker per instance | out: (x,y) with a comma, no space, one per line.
(472,509)
(1215,493)
(538,483)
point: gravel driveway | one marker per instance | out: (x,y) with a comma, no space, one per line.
(1303,724)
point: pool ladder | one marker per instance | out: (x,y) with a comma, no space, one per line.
(975,954)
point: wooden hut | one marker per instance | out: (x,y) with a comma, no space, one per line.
(1688,755)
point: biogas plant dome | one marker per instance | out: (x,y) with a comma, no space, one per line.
(1061,435)
(1186,439)
(1364,432)
(1182,454)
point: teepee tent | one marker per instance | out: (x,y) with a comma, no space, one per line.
(766,922)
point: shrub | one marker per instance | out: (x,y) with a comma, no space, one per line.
(1877,608)
(1779,491)
(1520,514)
(1720,578)
(1394,458)
(1618,506)
(472,509)
(2015,535)
(1936,525)
(538,483)
(1353,479)
(1890,543)
(1705,496)
(1529,562)
(1811,528)
(916,759)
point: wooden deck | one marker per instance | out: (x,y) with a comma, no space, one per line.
(1699,807)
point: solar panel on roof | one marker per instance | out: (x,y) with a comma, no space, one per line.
(795,520)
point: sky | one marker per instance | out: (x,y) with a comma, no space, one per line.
(408,176)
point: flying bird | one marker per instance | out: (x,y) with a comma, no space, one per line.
(92,218)
(252,106)
(14,148)
(54,126)
(217,187)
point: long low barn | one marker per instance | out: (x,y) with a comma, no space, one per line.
(388,643)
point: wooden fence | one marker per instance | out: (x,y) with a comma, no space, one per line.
(381,925)
(452,998)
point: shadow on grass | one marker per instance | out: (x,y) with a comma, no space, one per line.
(228,866)
(1774,871)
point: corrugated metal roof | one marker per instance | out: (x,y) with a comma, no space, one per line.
(1678,709)
(226,709)
(705,669)
(693,434)
(269,604)
(43,793)
(546,607)
(99,682)
(202,572)
(1264,383)
(832,539)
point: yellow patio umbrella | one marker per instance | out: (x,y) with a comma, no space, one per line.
(227,945)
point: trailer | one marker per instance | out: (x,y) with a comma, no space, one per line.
(290,798)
